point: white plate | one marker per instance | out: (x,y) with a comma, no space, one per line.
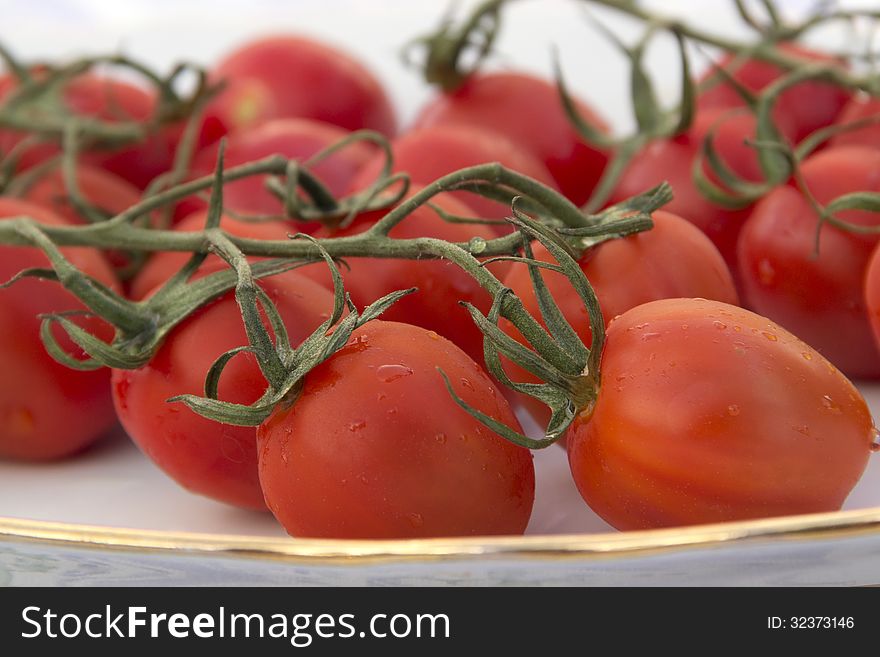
(110,517)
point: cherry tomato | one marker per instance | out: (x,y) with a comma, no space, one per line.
(47,411)
(860,107)
(291,76)
(433,152)
(709,413)
(538,124)
(205,457)
(299,139)
(108,99)
(872,293)
(100,188)
(375,447)
(806,106)
(672,160)
(819,299)
(673,259)
(441,283)
(164,264)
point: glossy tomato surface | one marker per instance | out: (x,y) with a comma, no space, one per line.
(819,298)
(291,76)
(528,111)
(441,284)
(710,413)
(375,447)
(806,106)
(298,139)
(430,153)
(860,108)
(211,459)
(47,410)
(673,259)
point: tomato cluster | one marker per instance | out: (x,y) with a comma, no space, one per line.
(700,411)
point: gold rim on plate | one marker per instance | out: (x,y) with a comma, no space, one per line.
(822,526)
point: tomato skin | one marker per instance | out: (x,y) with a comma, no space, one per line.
(47,410)
(858,108)
(291,76)
(538,124)
(453,147)
(807,106)
(207,458)
(360,454)
(819,298)
(673,259)
(442,284)
(710,413)
(298,139)
(672,160)
(100,188)
(872,293)
(164,264)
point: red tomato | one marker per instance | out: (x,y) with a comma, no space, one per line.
(375,447)
(860,107)
(441,283)
(673,259)
(110,100)
(47,410)
(872,293)
(672,160)
(100,188)
(298,139)
(433,152)
(292,76)
(164,264)
(709,413)
(819,299)
(207,458)
(807,106)
(527,110)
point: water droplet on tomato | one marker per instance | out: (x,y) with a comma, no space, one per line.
(684,327)
(770,336)
(391,411)
(802,429)
(415,519)
(831,405)
(737,328)
(719,325)
(381,396)
(650,336)
(766,272)
(875,442)
(440,438)
(433,335)
(733,410)
(389,373)
(807,355)
(357,425)
(362,477)
(467,383)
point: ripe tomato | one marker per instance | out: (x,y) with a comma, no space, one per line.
(858,108)
(819,299)
(433,152)
(47,410)
(207,458)
(441,283)
(872,293)
(672,160)
(709,413)
(164,264)
(527,110)
(375,447)
(673,259)
(109,99)
(100,188)
(298,139)
(292,76)
(806,106)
